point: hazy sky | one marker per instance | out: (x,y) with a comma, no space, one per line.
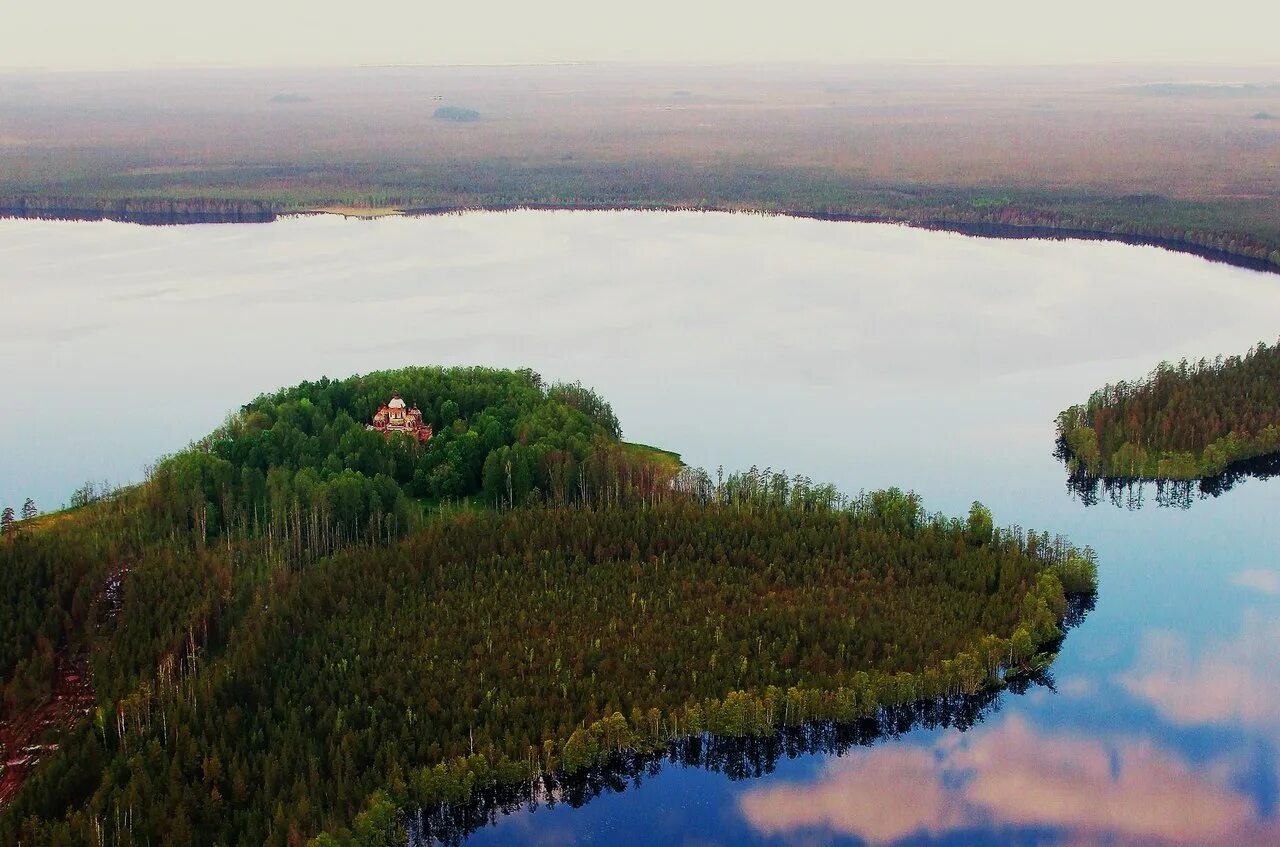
(146,33)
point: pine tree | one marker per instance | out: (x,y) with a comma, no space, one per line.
(29,510)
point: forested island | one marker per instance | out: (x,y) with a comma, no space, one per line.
(456,113)
(302,627)
(1189,421)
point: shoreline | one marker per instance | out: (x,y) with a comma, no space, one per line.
(1089,487)
(267,212)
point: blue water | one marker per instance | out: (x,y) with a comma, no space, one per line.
(866,355)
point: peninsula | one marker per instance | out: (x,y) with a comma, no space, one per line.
(396,590)
(1187,421)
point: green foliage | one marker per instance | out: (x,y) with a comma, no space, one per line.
(303,458)
(1078,572)
(1184,421)
(588,402)
(50,577)
(298,469)
(980,526)
(491,645)
(297,648)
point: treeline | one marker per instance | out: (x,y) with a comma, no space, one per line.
(492,646)
(145,210)
(1183,422)
(1244,232)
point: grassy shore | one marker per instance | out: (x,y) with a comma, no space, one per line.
(648,454)
(362,212)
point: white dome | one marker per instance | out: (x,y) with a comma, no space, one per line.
(396,403)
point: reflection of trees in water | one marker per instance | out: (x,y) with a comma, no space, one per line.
(736,758)
(1078,607)
(1130,492)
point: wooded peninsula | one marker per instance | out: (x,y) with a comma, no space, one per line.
(1187,421)
(337,608)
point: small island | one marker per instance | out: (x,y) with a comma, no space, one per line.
(459,114)
(1182,422)
(410,588)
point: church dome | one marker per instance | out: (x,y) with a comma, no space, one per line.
(396,403)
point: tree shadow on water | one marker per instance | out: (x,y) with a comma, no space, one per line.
(737,758)
(1132,492)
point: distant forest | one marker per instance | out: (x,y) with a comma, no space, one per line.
(1182,422)
(1240,232)
(298,628)
(1126,154)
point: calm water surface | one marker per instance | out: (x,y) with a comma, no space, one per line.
(867,355)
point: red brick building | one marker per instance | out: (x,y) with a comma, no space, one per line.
(394,417)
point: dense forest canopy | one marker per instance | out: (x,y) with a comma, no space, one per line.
(499,435)
(300,468)
(316,626)
(1184,421)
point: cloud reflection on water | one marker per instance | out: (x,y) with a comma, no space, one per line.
(1013,776)
(1258,579)
(1232,681)
(1133,788)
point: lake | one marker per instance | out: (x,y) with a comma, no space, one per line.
(868,355)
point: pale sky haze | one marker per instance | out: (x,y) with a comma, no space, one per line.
(88,34)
